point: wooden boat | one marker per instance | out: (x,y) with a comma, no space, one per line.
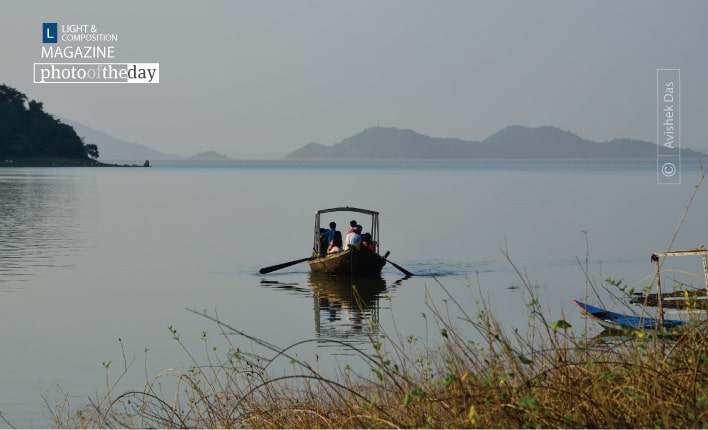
(618,321)
(680,299)
(355,261)
(358,260)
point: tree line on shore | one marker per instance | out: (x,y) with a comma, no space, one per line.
(26,131)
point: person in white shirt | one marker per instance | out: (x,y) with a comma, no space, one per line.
(336,244)
(353,237)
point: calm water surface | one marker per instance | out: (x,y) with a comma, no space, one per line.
(96,264)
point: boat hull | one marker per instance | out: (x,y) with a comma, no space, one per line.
(358,261)
(617,321)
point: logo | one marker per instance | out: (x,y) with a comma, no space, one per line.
(79,43)
(49,32)
(668,126)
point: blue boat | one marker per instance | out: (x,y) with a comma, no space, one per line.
(617,321)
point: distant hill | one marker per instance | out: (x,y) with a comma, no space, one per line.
(114,149)
(209,156)
(514,142)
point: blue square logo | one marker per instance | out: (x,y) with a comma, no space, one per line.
(49,32)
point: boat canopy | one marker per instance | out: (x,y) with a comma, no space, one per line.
(374,230)
(347,209)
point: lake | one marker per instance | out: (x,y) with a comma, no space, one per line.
(97,263)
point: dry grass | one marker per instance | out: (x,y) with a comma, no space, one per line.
(545,378)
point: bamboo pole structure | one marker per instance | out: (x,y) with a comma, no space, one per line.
(703,252)
(705,270)
(658,292)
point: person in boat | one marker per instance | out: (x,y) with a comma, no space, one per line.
(353,238)
(326,237)
(368,241)
(352,226)
(323,242)
(336,244)
(329,234)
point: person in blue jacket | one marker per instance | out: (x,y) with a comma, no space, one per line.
(328,235)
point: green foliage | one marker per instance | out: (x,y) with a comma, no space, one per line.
(449,380)
(415,394)
(91,150)
(525,360)
(621,286)
(562,324)
(26,131)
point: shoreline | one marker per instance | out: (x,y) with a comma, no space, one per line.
(62,162)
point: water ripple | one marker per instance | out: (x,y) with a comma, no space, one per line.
(38,224)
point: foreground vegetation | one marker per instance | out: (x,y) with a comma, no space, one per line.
(548,377)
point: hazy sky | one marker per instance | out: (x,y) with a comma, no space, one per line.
(258,79)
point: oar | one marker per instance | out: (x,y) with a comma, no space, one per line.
(404,271)
(282,265)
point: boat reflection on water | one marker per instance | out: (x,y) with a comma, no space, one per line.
(344,306)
